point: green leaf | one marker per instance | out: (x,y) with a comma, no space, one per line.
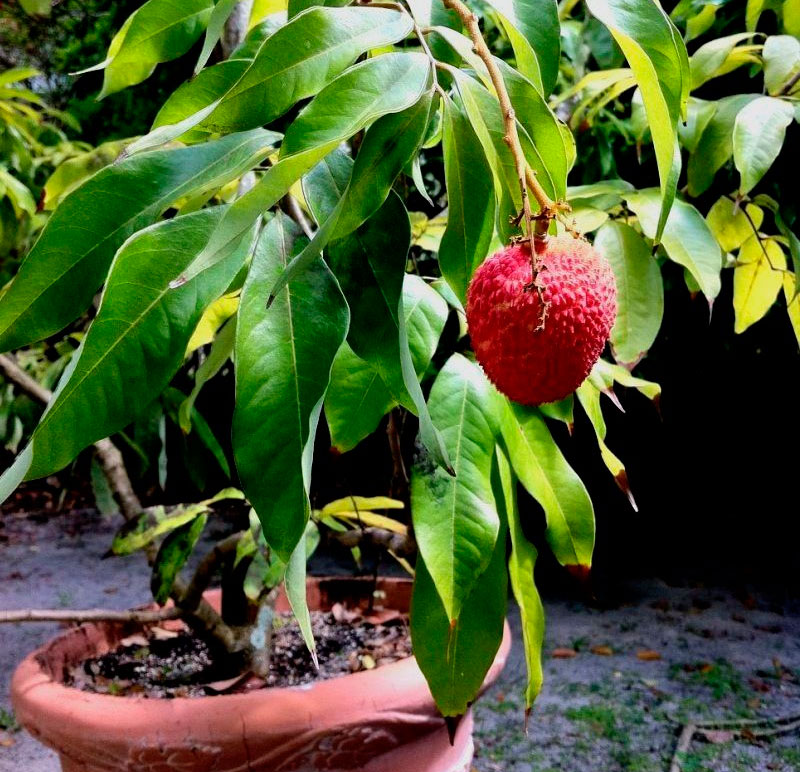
(729,223)
(589,397)
(220,353)
(640,291)
(283,359)
(258,34)
(425,314)
(295,584)
(715,145)
(36,7)
(757,279)
(216,25)
(781,62)
(136,343)
(708,60)
(172,556)
(103,495)
(69,262)
(610,374)
(658,58)
(356,400)
(698,115)
(791,238)
(455,518)
(758,135)
(293,63)
(470,196)
(159,31)
(533,29)
(455,657)
(687,238)
(521,565)
(546,475)
(386,84)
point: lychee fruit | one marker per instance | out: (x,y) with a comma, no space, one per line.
(535,355)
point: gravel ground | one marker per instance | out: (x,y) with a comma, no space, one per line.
(604,711)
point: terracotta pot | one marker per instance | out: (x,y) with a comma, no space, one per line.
(381,720)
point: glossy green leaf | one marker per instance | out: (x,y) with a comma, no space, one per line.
(757,279)
(455,518)
(687,238)
(134,346)
(425,313)
(159,31)
(698,115)
(708,60)
(781,62)
(640,291)
(729,223)
(546,475)
(386,84)
(455,657)
(258,34)
(293,63)
(658,58)
(521,565)
(36,7)
(609,374)
(715,145)
(172,555)
(283,359)
(356,400)
(216,24)
(295,584)
(758,135)
(533,29)
(68,263)
(470,195)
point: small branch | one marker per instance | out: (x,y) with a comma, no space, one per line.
(792,82)
(204,573)
(399,473)
(15,373)
(235,29)
(547,207)
(401,544)
(295,211)
(89,615)
(684,742)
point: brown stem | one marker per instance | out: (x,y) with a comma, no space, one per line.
(88,615)
(204,573)
(202,617)
(791,83)
(547,207)
(293,209)
(399,474)
(401,544)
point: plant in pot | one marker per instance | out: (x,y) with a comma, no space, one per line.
(268,207)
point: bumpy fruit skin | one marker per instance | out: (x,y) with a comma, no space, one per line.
(533,366)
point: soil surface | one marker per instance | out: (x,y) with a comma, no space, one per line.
(165,664)
(619,682)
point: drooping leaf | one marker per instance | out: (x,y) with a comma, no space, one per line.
(546,475)
(283,359)
(792,298)
(213,318)
(698,115)
(533,29)
(608,374)
(640,291)
(216,24)
(455,518)
(159,31)
(758,135)
(781,62)
(687,238)
(709,59)
(386,84)
(68,263)
(658,58)
(470,195)
(295,584)
(134,346)
(731,225)
(757,279)
(426,313)
(454,658)
(715,145)
(521,564)
(589,397)
(172,555)
(36,7)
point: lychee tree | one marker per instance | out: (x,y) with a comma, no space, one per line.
(265,217)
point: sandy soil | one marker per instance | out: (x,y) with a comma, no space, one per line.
(720,657)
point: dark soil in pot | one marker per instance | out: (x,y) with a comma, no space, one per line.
(164,663)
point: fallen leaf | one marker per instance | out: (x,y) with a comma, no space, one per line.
(162,634)
(648,655)
(759,686)
(367,662)
(134,640)
(564,653)
(717,736)
(602,651)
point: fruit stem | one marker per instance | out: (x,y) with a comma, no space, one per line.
(526,176)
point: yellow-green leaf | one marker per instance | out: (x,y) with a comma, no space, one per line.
(756,280)
(729,223)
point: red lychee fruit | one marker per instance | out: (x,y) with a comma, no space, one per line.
(529,363)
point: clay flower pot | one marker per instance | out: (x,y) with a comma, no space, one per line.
(381,720)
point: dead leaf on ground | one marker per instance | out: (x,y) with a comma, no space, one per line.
(648,655)
(602,651)
(717,736)
(564,653)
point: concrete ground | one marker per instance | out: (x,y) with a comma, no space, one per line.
(604,709)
